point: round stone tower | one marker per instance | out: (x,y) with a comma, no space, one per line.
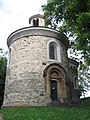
(38,67)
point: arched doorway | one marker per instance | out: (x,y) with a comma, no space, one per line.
(55,82)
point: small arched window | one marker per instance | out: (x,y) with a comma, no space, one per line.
(33,22)
(53,50)
(75,83)
(36,22)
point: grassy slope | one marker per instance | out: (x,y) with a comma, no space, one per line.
(81,112)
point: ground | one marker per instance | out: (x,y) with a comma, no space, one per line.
(80,112)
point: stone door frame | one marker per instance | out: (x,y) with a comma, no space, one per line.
(55,71)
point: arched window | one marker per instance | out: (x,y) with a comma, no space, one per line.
(75,82)
(52,52)
(35,23)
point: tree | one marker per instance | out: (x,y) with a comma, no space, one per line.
(72,17)
(3,63)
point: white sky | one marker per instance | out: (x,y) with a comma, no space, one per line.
(14,14)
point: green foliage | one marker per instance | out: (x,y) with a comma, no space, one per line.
(72,17)
(3,63)
(81,112)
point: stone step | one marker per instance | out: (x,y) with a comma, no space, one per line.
(56,103)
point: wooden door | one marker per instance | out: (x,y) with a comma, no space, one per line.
(53,90)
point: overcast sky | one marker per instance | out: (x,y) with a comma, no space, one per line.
(14,14)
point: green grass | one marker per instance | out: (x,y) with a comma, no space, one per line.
(81,112)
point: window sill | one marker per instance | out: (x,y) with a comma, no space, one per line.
(51,60)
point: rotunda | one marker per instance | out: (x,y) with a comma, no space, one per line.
(39,72)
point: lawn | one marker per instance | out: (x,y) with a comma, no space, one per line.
(81,112)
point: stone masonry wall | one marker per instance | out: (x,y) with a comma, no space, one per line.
(24,81)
